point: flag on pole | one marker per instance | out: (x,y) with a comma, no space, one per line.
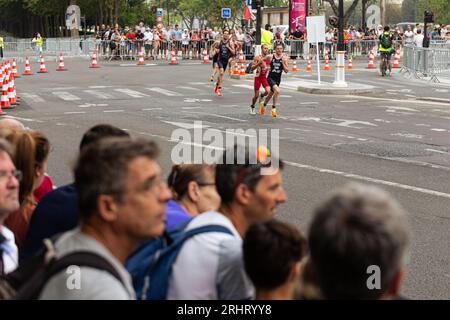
(247,13)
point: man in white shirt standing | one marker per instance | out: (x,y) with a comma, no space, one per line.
(409,36)
(210,265)
(418,39)
(9,203)
(148,42)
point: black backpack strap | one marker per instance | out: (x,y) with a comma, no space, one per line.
(82,259)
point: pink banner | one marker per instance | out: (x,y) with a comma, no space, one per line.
(297,16)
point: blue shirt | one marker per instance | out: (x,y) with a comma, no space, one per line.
(175,215)
(177,34)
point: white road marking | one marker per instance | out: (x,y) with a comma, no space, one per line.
(409,96)
(112,111)
(88,105)
(285,96)
(33,97)
(66,96)
(403,109)
(408,135)
(246,86)
(437,151)
(441,90)
(189,88)
(382,120)
(438,130)
(164,92)
(75,112)
(132,93)
(371,180)
(312,102)
(349,101)
(63,88)
(423,125)
(216,115)
(99,87)
(151,109)
(100,95)
(22,119)
(191,108)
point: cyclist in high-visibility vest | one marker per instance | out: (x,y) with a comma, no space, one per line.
(38,41)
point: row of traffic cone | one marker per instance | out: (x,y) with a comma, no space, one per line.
(8,98)
(42,68)
(371,63)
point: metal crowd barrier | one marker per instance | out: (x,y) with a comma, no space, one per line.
(425,62)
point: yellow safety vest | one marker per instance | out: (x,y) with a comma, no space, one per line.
(38,41)
(267,38)
(1,42)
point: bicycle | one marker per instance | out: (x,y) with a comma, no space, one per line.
(384,63)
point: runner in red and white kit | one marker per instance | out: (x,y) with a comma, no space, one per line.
(262,66)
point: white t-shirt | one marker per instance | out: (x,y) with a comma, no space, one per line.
(418,40)
(185,39)
(329,36)
(148,37)
(210,265)
(409,36)
(10,252)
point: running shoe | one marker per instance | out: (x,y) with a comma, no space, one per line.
(262,108)
(252,111)
(215,88)
(211,78)
(274,113)
(219,92)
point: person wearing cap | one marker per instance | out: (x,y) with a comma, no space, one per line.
(215,262)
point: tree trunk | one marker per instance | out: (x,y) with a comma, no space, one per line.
(100,12)
(116,11)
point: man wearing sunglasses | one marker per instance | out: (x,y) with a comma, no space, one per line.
(214,260)
(9,203)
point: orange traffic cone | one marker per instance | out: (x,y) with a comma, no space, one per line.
(241,56)
(94,60)
(308,65)
(350,63)
(61,63)
(4,102)
(205,56)
(141,58)
(327,66)
(27,71)
(236,69)
(242,69)
(14,69)
(396,59)
(294,66)
(12,91)
(42,68)
(371,64)
(173,58)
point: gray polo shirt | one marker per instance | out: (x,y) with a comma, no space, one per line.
(93,284)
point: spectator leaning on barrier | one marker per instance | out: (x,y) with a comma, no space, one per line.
(418,39)
(9,203)
(409,36)
(272,252)
(121,199)
(210,265)
(358,242)
(57,212)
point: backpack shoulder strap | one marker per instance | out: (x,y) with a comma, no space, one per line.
(208,228)
(82,259)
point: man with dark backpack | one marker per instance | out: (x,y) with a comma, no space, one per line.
(121,200)
(203,259)
(386,48)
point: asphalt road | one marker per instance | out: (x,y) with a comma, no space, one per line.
(392,139)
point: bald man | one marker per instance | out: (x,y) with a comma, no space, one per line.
(8,123)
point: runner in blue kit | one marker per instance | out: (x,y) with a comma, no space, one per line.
(278,64)
(226,50)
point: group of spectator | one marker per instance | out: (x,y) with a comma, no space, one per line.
(119,199)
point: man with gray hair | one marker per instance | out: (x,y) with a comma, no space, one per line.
(358,241)
(122,201)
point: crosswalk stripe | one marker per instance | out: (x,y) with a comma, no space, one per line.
(33,97)
(189,88)
(132,93)
(246,86)
(98,94)
(164,92)
(65,96)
